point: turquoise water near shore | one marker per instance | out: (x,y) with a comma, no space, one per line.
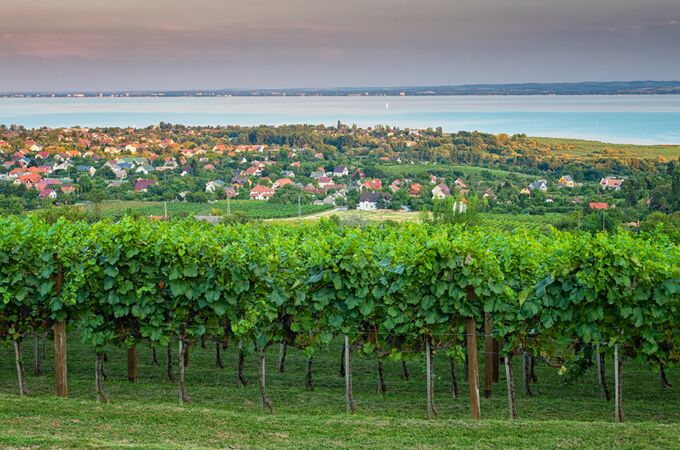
(617,119)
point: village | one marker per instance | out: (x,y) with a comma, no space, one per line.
(69,166)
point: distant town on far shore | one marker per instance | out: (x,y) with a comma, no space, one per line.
(580,88)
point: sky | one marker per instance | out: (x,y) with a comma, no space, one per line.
(103,45)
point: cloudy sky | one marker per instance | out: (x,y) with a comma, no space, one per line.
(210,44)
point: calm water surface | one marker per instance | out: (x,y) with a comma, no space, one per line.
(626,119)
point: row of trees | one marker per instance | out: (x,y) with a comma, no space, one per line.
(392,291)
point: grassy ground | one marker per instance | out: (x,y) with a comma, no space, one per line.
(401,170)
(581,149)
(251,208)
(147,414)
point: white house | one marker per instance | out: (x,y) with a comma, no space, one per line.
(368,201)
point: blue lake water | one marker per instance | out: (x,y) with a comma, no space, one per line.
(624,119)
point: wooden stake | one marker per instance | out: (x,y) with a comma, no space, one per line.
(21,376)
(283,348)
(350,406)
(488,356)
(473,364)
(60,360)
(37,364)
(431,408)
(132,364)
(496,360)
(618,368)
(510,380)
(265,402)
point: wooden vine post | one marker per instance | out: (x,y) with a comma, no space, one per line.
(60,357)
(473,364)
(132,364)
(489,356)
(618,367)
(496,359)
(350,406)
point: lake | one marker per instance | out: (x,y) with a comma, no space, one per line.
(617,119)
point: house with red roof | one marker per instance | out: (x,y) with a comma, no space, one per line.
(261,193)
(142,185)
(373,185)
(611,183)
(48,193)
(598,205)
(282,182)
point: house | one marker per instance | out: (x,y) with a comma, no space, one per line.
(317,174)
(252,171)
(414,190)
(541,185)
(395,185)
(611,183)
(441,191)
(489,194)
(525,191)
(230,192)
(30,179)
(368,201)
(63,166)
(325,182)
(459,183)
(318,155)
(310,189)
(68,188)
(566,181)
(359,174)
(142,185)
(209,167)
(212,186)
(48,193)
(261,193)
(598,205)
(89,170)
(130,148)
(282,182)
(120,173)
(42,155)
(373,185)
(144,169)
(340,171)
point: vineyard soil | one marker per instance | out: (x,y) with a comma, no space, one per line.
(146,414)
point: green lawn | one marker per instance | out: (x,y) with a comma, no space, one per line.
(251,208)
(400,170)
(147,414)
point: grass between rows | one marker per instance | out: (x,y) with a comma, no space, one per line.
(147,414)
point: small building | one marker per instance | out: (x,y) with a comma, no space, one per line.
(611,183)
(261,193)
(566,181)
(368,201)
(441,191)
(598,205)
(541,185)
(340,171)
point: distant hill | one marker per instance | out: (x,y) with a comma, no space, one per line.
(582,88)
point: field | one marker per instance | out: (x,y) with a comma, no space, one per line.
(584,150)
(250,208)
(400,170)
(147,414)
